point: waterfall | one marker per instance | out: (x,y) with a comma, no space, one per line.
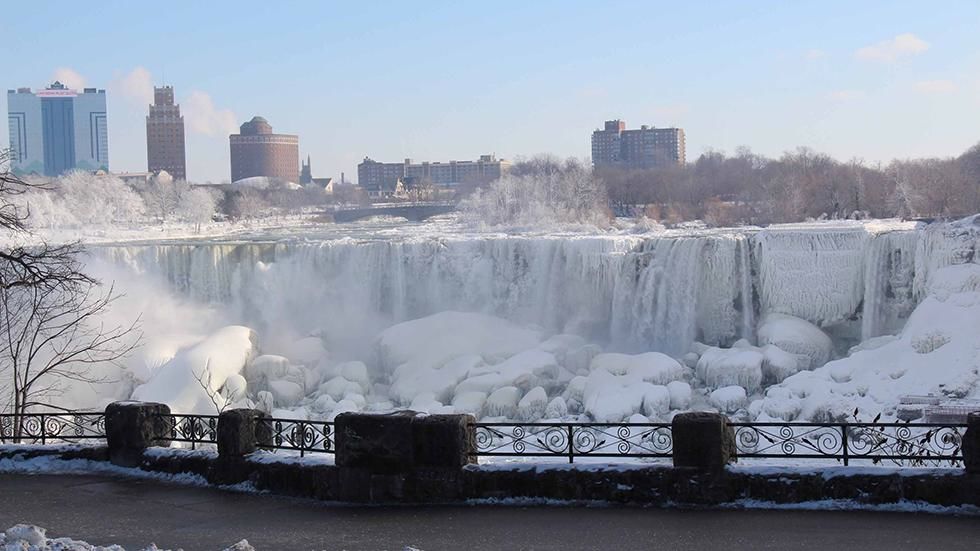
(629,292)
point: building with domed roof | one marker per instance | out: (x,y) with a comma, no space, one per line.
(258,151)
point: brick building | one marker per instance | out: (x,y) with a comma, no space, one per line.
(381,179)
(165,135)
(646,147)
(257,151)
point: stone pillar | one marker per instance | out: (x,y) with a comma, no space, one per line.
(702,441)
(131,427)
(971,443)
(402,456)
(241,432)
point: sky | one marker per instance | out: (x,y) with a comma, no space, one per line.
(433,80)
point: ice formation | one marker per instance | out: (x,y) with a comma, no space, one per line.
(599,327)
(191,381)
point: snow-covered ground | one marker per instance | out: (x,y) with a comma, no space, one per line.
(27,537)
(306,320)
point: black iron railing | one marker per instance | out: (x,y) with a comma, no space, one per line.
(298,435)
(193,429)
(905,444)
(918,444)
(571,440)
(48,428)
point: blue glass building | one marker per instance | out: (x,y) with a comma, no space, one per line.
(57,129)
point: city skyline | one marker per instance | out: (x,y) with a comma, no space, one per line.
(362,81)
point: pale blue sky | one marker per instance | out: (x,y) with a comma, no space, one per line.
(451,80)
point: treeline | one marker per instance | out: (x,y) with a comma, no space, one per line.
(746,188)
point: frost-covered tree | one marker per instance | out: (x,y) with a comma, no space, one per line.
(541,194)
(246,204)
(196,206)
(99,199)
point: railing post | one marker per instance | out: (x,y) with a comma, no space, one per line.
(703,441)
(402,456)
(571,444)
(302,439)
(44,429)
(241,432)
(131,427)
(971,443)
(843,439)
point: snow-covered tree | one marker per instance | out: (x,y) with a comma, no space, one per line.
(547,193)
(196,206)
(99,199)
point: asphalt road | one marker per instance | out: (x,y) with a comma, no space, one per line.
(104,510)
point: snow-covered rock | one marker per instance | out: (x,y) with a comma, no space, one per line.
(777,364)
(612,398)
(656,401)
(728,399)
(470,402)
(720,367)
(651,367)
(680,395)
(417,342)
(532,406)
(503,402)
(338,386)
(557,408)
(286,393)
(190,382)
(409,381)
(307,351)
(796,336)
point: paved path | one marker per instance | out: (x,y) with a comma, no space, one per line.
(104,510)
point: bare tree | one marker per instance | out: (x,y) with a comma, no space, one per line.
(52,332)
(52,336)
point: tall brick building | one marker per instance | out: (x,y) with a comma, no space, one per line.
(257,151)
(647,147)
(165,135)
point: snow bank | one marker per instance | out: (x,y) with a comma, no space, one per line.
(27,537)
(190,381)
(935,353)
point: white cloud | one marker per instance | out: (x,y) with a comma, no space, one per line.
(935,87)
(845,95)
(135,86)
(888,51)
(203,117)
(69,77)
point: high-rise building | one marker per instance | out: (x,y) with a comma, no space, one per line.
(165,135)
(257,151)
(381,179)
(57,129)
(647,147)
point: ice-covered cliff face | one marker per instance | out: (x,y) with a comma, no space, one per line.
(633,293)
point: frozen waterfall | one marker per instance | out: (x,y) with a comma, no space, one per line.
(635,293)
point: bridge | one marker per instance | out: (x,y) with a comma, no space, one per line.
(413,212)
